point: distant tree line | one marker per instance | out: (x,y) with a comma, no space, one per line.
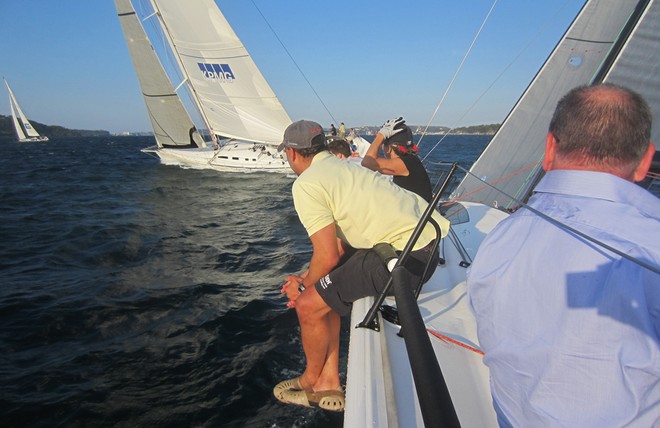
(475,129)
(7,130)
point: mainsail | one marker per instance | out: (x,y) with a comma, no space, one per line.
(511,160)
(232,94)
(23,127)
(171,123)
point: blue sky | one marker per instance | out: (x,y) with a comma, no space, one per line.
(68,65)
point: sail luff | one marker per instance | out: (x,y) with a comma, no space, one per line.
(512,159)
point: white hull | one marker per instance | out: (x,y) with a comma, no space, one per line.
(237,156)
(380,388)
(42,138)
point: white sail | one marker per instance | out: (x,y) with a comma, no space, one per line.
(171,122)
(20,134)
(234,97)
(511,160)
(22,126)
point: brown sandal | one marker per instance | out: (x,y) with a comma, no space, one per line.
(286,385)
(332,400)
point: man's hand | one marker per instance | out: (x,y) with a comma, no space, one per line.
(291,289)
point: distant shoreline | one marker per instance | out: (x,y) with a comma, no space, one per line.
(7,130)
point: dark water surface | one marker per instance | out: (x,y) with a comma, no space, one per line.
(137,294)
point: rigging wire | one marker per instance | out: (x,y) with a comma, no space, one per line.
(568,228)
(458,70)
(294,62)
(499,76)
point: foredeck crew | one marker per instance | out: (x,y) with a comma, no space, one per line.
(346,210)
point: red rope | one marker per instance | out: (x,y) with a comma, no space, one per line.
(454,341)
(506,177)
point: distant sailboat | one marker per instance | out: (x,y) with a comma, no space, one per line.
(242,114)
(24,130)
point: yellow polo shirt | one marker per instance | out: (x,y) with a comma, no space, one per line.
(366,207)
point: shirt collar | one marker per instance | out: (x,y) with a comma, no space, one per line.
(599,185)
(321,155)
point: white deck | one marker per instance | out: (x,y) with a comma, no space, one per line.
(380,388)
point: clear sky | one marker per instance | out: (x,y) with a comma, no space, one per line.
(68,64)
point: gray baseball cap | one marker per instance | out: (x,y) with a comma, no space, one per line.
(301,135)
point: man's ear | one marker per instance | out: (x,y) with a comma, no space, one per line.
(291,154)
(550,149)
(644,165)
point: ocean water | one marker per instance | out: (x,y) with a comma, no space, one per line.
(137,294)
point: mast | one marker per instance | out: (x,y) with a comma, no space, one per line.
(626,33)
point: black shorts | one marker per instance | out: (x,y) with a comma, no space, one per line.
(364,274)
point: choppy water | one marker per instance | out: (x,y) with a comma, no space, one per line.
(137,294)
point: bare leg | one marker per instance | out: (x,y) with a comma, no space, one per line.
(329,378)
(320,328)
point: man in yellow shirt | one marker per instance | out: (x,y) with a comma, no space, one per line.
(346,210)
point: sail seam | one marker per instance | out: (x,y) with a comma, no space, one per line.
(602,42)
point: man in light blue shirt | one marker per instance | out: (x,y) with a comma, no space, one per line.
(570,329)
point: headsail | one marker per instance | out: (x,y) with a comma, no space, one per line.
(20,133)
(171,123)
(233,96)
(511,160)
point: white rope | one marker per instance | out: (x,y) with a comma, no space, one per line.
(499,76)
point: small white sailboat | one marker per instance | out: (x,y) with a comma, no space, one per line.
(237,106)
(611,41)
(24,130)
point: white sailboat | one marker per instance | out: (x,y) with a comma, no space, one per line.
(615,41)
(24,130)
(242,114)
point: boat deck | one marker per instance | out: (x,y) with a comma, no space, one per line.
(380,387)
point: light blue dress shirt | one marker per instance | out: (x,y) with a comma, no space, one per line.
(571,331)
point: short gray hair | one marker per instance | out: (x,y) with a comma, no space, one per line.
(603,125)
